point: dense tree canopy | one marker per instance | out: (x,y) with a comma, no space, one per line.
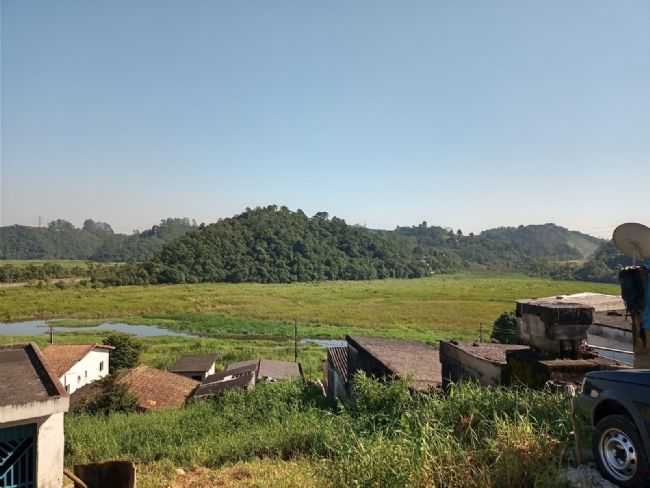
(276,245)
(95,241)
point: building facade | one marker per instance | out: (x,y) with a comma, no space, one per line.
(78,365)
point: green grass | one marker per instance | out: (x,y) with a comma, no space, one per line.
(427,309)
(474,437)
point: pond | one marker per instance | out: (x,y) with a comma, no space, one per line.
(40,327)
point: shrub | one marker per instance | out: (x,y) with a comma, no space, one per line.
(506,329)
(127,351)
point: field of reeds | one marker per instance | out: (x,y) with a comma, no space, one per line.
(385,437)
(428,309)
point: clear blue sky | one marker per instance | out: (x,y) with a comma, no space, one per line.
(465,114)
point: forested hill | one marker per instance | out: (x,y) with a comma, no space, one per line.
(94,241)
(273,245)
(548,241)
(277,245)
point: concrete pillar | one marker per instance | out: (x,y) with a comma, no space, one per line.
(49,454)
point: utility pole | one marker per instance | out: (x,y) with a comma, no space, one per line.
(295,341)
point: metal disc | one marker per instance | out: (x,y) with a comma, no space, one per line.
(633,240)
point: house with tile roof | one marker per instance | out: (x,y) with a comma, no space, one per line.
(156,389)
(196,367)
(32,405)
(77,365)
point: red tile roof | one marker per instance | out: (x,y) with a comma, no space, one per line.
(61,357)
(156,389)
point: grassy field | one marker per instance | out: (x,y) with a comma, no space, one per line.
(450,306)
(286,435)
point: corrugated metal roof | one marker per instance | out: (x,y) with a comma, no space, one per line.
(338,359)
(223,375)
(215,388)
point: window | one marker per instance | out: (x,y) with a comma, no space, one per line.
(86,374)
(101,365)
(78,379)
(67,388)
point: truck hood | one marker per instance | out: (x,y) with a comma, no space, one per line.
(633,376)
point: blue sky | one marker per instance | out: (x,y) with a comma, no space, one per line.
(464,114)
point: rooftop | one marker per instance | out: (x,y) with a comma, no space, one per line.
(278,370)
(493,353)
(26,376)
(598,301)
(61,357)
(219,383)
(156,389)
(418,362)
(194,363)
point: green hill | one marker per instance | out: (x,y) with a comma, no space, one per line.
(94,241)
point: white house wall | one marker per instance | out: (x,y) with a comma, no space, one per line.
(87,370)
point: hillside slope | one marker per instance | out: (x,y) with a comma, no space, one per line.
(94,241)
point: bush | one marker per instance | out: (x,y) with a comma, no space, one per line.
(506,329)
(127,351)
(114,398)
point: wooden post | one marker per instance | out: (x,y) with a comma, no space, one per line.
(295,341)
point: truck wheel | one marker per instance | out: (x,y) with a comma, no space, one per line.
(619,452)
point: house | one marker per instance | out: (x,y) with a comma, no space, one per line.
(197,367)
(156,389)
(78,365)
(246,374)
(415,362)
(242,377)
(32,405)
(271,370)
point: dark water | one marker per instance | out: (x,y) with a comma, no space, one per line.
(40,327)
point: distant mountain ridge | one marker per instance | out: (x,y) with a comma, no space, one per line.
(275,244)
(94,241)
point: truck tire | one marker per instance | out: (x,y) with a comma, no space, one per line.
(619,452)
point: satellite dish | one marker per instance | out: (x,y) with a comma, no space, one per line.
(633,240)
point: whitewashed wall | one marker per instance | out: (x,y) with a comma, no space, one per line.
(87,370)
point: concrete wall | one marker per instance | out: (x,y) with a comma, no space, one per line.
(336,387)
(50,452)
(458,365)
(49,448)
(87,370)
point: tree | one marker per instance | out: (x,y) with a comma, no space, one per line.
(97,227)
(506,329)
(127,351)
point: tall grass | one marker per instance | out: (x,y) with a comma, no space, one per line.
(439,307)
(385,437)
